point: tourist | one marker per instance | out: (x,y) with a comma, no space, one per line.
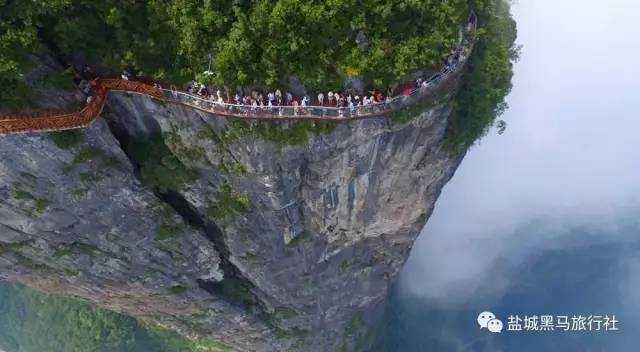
(295,106)
(76,78)
(288,98)
(87,72)
(254,105)
(320,99)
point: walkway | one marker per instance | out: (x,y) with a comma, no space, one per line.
(83,118)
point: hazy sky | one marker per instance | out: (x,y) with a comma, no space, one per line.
(570,155)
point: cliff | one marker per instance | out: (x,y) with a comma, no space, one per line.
(262,236)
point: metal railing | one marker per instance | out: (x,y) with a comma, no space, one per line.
(313,112)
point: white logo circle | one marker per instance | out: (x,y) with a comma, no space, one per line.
(494,325)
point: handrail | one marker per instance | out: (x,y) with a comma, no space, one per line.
(312,112)
(84,117)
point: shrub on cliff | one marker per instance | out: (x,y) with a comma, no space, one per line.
(487,79)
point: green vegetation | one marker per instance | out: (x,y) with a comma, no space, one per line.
(355,325)
(169,228)
(23,195)
(66,139)
(228,202)
(348,263)
(76,248)
(13,246)
(249,257)
(301,238)
(358,336)
(293,134)
(86,153)
(30,177)
(159,169)
(89,178)
(253,42)
(284,313)
(39,204)
(31,321)
(177,289)
(238,291)
(233,167)
(487,80)
(191,154)
(58,80)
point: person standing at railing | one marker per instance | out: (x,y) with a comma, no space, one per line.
(320,99)
(304,103)
(254,105)
(356,104)
(387,102)
(295,107)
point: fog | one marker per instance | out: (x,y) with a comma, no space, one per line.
(568,160)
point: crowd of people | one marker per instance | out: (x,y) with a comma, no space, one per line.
(277,98)
(256,100)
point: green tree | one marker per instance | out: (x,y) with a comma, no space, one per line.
(487,80)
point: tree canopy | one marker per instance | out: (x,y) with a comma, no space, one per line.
(487,79)
(260,42)
(31,321)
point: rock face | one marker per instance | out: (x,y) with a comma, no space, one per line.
(285,237)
